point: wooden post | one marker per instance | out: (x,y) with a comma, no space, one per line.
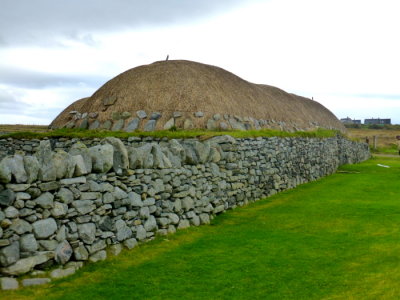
(375,141)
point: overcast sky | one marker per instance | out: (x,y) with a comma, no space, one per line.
(343,53)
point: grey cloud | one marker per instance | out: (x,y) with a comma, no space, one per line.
(33,22)
(9,103)
(39,80)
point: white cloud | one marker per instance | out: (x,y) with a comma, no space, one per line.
(329,50)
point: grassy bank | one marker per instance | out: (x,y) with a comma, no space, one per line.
(80,133)
(337,238)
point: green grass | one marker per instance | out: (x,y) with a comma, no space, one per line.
(171,134)
(336,238)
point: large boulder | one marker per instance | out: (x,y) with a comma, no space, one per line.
(102,158)
(13,167)
(44,156)
(32,168)
(26,265)
(64,164)
(120,158)
(80,148)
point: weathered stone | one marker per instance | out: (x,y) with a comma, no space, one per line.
(123,232)
(159,159)
(35,281)
(94,125)
(150,125)
(84,207)
(84,124)
(47,171)
(169,124)
(199,114)
(120,157)
(7,197)
(5,171)
(65,195)
(106,125)
(49,186)
(75,180)
(110,100)
(130,243)
(223,126)
(155,116)
(187,203)
(102,157)
(61,273)
(80,148)
(125,115)
(32,167)
(81,253)
(97,246)
(15,164)
(9,254)
(115,115)
(44,228)
(45,200)
(22,187)
(132,125)
(141,114)
(141,233)
(183,224)
(99,256)
(59,209)
(26,265)
(118,125)
(48,245)
(11,212)
(8,283)
(28,243)
(116,249)
(63,253)
(150,224)
(20,226)
(87,232)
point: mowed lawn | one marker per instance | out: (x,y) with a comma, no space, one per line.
(337,238)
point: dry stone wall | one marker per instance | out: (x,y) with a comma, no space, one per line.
(66,201)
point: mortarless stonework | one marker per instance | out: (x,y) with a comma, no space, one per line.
(65,201)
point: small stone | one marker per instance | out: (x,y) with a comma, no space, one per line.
(155,116)
(65,195)
(123,231)
(125,115)
(217,117)
(76,180)
(63,253)
(94,125)
(115,115)
(7,197)
(141,114)
(81,253)
(84,124)
(116,249)
(20,226)
(110,100)
(106,125)
(130,243)
(44,228)
(170,123)
(59,210)
(132,125)
(18,187)
(118,125)
(45,200)
(99,256)
(49,186)
(177,114)
(8,283)
(11,212)
(211,125)
(199,114)
(35,281)
(9,254)
(28,243)
(223,126)
(87,232)
(60,273)
(150,125)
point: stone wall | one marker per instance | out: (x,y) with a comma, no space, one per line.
(66,201)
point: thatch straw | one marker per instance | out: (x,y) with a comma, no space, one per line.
(185,86)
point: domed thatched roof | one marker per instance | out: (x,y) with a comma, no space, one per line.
(189,94)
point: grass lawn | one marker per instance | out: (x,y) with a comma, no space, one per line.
(336,238)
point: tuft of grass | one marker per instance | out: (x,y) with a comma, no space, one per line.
(335,238)
(170,134)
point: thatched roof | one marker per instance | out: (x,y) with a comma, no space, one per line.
(188,87)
